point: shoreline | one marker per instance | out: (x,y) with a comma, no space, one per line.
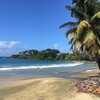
(46,88)
(4,80)
(31,72)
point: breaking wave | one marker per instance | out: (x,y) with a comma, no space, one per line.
(42,66)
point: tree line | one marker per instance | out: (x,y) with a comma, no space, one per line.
(50,54)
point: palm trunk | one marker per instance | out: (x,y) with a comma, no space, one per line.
(98,60)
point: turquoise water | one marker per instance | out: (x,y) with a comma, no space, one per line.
(38,68)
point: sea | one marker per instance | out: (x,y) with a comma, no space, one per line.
(10,67)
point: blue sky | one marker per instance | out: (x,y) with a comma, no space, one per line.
(32,24)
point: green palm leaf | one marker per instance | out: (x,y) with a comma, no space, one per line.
(75,12)
(82,26)
(69,24)
(70,32)
(97,15)
(89,37)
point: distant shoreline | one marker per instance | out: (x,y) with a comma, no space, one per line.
(86,61)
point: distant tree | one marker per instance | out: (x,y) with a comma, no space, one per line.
(61,56)
(50,54)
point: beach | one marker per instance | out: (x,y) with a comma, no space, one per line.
(46,88)
(40,60)
(43,80)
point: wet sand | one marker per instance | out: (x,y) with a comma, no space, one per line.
(48,88)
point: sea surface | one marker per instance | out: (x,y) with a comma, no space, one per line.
(10,67)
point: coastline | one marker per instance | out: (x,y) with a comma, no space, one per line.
(46,88)
(63,69)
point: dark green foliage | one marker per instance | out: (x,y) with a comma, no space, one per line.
(72,57)
(48,54)
(51,54)
(61,56)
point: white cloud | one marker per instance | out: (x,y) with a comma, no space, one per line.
(4,45)
(8,44)
(56,46)
(8,48)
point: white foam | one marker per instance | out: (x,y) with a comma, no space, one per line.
(42,66)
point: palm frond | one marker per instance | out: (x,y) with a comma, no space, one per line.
(89,37)
(97,39)
(70,32)
(71,41)
(76,43)
(69,24)
(72,47)
(97,15)
(82,26)
(75,12)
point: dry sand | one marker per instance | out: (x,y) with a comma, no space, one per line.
(49,88)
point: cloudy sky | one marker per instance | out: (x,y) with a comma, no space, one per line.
(32,24)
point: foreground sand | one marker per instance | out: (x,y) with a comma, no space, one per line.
(49,88)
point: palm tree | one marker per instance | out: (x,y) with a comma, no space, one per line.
(85,31)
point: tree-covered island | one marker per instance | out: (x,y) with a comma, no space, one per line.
(51,54)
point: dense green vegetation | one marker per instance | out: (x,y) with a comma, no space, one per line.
(84,33)
(50,54)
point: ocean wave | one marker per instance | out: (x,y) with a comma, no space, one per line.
(42,66)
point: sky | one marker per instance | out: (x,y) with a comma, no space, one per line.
(33,24)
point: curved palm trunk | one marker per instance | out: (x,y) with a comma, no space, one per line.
(98,60)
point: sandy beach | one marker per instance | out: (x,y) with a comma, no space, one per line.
(48,88)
